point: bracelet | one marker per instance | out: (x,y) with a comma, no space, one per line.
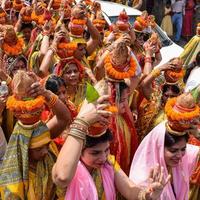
(53,49)
(80,127)
(8,80)
(148,59)
(155,72)
(142,195)
(82,121)
(78,134)
(52,101)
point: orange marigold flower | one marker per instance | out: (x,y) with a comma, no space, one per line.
(113,73)
(14,50)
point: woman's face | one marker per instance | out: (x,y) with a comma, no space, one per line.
(62,94)
(140,38)
(19,65)
(124,100)
(38,154)
(174,154)
(27,33)
(170,92)
(95,157)
(71,75)
(2,20)
(80,52)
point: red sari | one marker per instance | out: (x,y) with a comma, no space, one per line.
(188,19)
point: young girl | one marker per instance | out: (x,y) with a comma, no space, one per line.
(166,24)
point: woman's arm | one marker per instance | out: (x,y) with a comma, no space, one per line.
(94,37)
(99,68)
(65,166)
(47,60)
(132,191)
(62,117)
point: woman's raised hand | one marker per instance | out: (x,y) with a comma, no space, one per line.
(157,183)
(95,112)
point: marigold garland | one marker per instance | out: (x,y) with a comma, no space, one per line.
(79,21)
(26,18)
(69,49)
(17,6)
(69,46)
(39,19)
(173,115)
(26,106)
(174,74)
(14,50)
(99,21)
(111,71)
(3,14)
(141,21)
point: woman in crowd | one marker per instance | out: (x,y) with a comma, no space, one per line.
(191,48)
(167,145)
(26,168)
(187,30)
(73,75)
(57,85)
(191,77)
(79,172)
(162,83)
(166,24)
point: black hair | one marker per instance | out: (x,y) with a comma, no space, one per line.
(93,141)
(170,139)
(122,86)
(191,67)
(168,3)
(174,88)
(27,25)
(54,83)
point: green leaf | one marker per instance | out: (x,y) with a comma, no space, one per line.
(195,93)
(91,93)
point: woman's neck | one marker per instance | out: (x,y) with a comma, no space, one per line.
(71,89)
(90,169)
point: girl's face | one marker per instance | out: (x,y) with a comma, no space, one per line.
(62,94)
(174,154)
(20,65)
(38,154)
(95,157)
(71,75)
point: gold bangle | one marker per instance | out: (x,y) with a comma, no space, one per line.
(155,73)
(142,194)
(53,49)
(82,121)
(8,80)
(80,127)
(77,134)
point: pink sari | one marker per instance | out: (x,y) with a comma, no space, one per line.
(150,152)
(83,187)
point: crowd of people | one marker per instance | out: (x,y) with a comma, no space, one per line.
(87,112)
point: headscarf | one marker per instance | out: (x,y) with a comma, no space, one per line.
(60,69)
(151,152)
(15,167)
